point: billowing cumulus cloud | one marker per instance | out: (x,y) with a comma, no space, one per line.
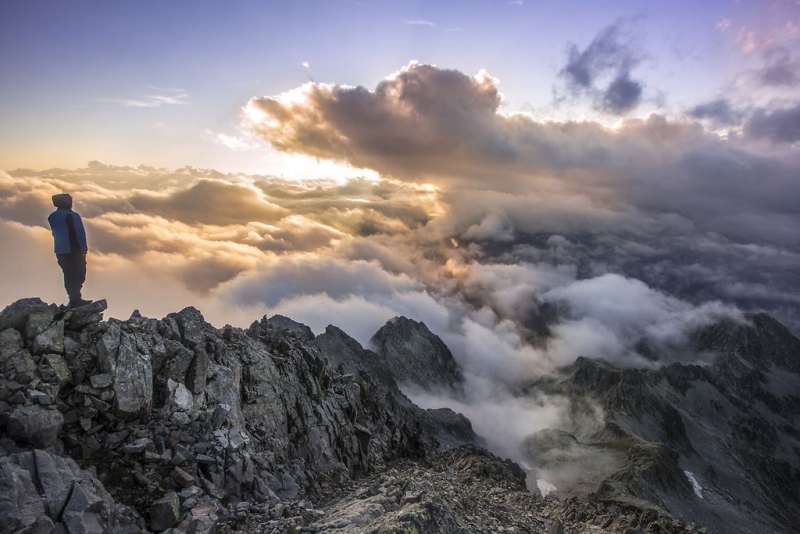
(209,202)
(420,122)
(425,124)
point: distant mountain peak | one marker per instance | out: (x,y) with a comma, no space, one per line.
(416,356)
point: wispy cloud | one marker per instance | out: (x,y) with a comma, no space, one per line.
(233,142)
(149,101)
(167,89)
(723,24)
(516,3)
(747,40)
(420,22)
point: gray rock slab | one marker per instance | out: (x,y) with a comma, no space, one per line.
(181,477)
(35,425)
(102,380)
(138,446)
(86,315)
(50,340)
(20,504)
(55,476)
(59,367)
(133,380)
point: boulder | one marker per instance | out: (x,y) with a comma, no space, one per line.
(108,347)
(10,342)
(55,476)
(192,326)
(61,373)
(179,398)
(86,315)
(165,512)
(50,340)
(16,314)
(35,425)
(39,321)
(202,519)
(198,371)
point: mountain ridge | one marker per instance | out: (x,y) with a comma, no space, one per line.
(174,425)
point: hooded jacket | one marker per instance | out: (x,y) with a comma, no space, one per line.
(69,235)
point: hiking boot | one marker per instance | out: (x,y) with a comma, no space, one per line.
(78,303)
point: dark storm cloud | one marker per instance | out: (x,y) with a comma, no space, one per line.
(605,53)
(608,55)
(781,125)
(718,111)
(622,95)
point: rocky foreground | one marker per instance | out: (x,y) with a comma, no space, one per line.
(172,425)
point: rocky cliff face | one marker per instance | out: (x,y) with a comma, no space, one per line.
(173,425)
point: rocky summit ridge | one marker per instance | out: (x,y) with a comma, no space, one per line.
(173,425)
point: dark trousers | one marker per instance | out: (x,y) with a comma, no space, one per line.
(74,267)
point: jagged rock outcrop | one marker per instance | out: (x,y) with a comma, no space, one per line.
(449,428)
(416,357)
(175,408)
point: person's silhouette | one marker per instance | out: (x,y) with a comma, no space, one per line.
(69,237)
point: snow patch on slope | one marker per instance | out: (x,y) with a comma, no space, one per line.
(698,489)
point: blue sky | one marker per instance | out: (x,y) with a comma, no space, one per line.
(156,83)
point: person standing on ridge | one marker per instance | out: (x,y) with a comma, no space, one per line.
(69,236)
